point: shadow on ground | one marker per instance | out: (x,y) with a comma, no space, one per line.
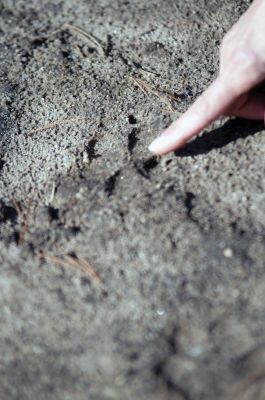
(230,132)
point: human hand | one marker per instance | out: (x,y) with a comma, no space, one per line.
(235,90)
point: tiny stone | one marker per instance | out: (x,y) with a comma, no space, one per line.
(85,158)
(195,351)
(228,253)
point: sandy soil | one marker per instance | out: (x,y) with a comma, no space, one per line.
(125,276)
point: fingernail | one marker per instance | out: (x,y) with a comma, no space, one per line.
(156,145)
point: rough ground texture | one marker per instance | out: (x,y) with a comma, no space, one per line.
(178,241)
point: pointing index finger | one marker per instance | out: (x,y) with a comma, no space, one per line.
(208,107)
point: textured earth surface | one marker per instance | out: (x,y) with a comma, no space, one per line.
(122,275)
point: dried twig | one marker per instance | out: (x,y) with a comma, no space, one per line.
(166,97)
(88,37)
(54,124)
(67,260)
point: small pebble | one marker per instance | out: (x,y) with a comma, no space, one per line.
(228,253)
(195,351)
(86,158)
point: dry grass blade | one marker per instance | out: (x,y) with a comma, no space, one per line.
(71,261)
(54,124)
(166,97)
(88,37)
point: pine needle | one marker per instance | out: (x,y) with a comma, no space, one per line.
(165,97)
(54,124)
(68,260)
(88,37)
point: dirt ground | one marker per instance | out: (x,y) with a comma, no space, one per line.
(125,276)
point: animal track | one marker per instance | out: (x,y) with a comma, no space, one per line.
(7,213)
(132,140)
(90,150)
(145,166)
(132,120)
(53,213)
(188,202)
(110,183)
(160,368)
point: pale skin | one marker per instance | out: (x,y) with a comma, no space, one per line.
(235,92)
